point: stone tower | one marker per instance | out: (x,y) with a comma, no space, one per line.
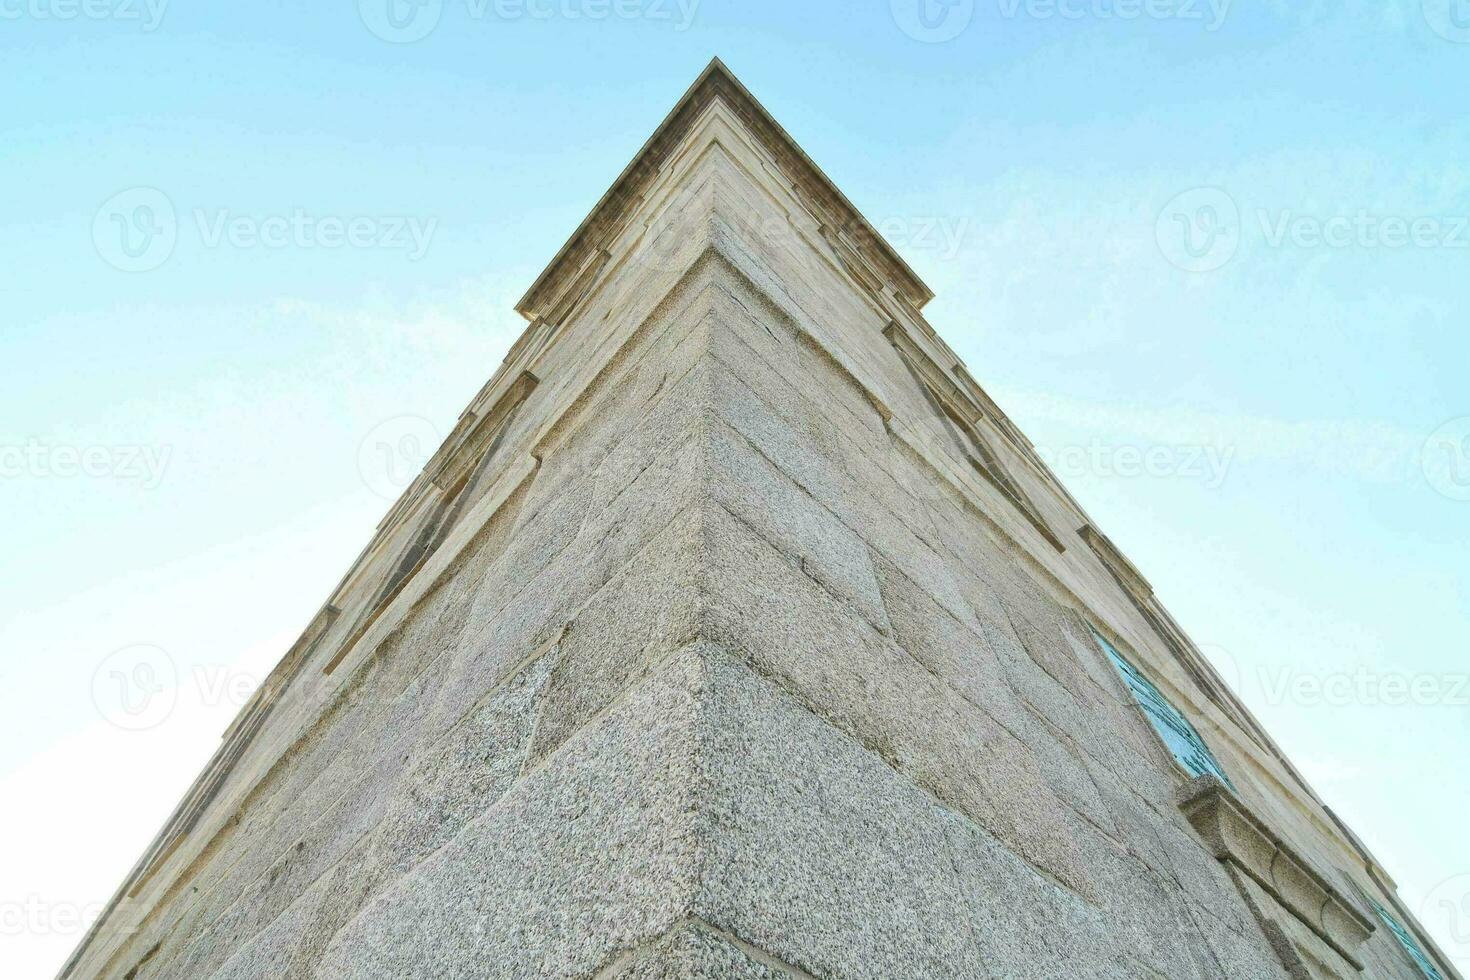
(735,632)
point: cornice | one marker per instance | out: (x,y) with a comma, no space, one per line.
(1240,837)
(841,220)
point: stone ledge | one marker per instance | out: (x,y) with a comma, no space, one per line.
(717,83)
(1239,837)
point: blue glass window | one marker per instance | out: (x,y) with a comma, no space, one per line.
(1407,941)
(1178,734)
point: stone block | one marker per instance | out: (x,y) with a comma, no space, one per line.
(649,610)
(592,853)
(750,487)
(829,859)
(798,634)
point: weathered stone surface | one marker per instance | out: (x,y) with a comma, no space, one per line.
(644,614)
(693,951)
(592,852)
(752,489)
(725,672)
(453,781)
(834,861)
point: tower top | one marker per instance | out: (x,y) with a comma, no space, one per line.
(829,204)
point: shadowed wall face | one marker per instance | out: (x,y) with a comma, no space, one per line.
(743,643)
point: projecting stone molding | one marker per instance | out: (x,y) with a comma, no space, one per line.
(1283,890)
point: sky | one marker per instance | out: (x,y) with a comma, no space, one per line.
(1213,258)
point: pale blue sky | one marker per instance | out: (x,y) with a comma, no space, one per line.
(1030,167)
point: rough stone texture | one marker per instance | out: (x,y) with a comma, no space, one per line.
(697,949)
(735,681)
(592,852)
